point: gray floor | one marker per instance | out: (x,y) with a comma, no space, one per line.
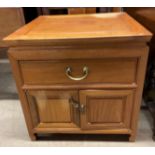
(7,84)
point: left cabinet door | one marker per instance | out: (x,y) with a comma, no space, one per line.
(54,109)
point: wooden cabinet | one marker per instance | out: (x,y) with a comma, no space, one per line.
(65,10)
(146,16)
(11,19)
(75,10)
(80,77)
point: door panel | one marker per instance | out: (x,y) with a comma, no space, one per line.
(106,108)
(53,108)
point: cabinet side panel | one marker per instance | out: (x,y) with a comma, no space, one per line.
(22,95)
(142,63)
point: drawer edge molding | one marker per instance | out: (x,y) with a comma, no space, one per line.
(80,86)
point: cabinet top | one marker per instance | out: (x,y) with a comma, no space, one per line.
(107,26)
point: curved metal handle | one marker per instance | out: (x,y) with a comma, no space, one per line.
(69,71)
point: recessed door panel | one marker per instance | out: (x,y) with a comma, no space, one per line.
(105,110)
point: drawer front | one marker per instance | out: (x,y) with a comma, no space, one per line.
(107,70)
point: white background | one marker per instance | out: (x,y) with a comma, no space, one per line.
(77,3)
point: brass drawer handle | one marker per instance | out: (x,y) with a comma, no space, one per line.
(69,71)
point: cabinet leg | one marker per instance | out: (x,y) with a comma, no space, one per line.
(132,138)
(33,137)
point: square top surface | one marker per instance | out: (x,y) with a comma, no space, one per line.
(107,25)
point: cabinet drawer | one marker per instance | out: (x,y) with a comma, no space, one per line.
(108,70)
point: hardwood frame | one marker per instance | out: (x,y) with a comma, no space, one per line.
(129,45)
(18,54)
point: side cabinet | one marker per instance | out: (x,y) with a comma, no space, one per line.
(105,101)
(77,77)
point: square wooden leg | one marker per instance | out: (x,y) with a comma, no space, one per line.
(132,138)
(33,137)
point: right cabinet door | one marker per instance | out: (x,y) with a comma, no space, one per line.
(106,109)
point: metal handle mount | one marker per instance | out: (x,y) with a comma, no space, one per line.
(76,105)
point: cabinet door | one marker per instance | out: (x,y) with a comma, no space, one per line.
(54,109)
(101,109)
